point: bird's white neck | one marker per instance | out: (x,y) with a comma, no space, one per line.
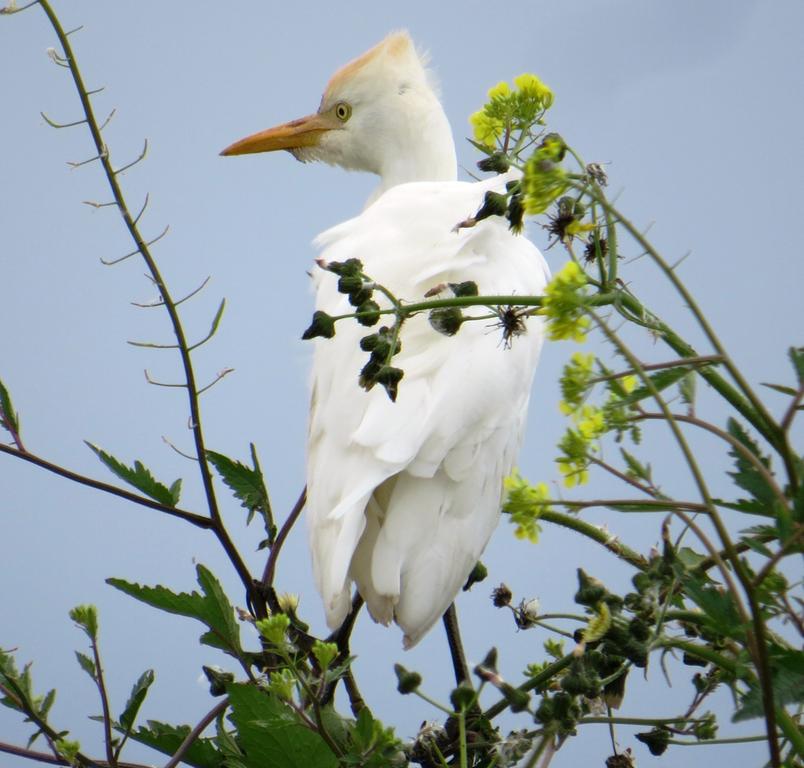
(418,149)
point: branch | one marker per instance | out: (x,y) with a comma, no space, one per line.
(191,517)
(191,737)
(143,247)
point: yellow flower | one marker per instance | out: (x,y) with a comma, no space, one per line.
(629,383)
(500,90)
(487,129)
(532,86)
(591,422)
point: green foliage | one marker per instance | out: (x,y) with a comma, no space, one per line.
(271,734)
(140,477)
(202,753)
(212,608)
(248,486)
(9,418)
(137,696)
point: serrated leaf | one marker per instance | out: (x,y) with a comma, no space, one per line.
(780,388)
(718,607)
(168,738)
(746,475)
(247,484)
(7,407)
(212,608)
(135,699)
(788,688)
(47,703)
(272,735)
(636,467)
(690,558)
(745,505)
(796,355)
(687,387)
(87,664)
(140,477)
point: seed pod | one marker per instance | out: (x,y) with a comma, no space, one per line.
(369,313)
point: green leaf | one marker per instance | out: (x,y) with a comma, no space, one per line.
(212,608)
(636,468)
(746,475)
(247,484)
(9,415)
(690,558)
(796,355)
(780,388)
(271,734)
(787,677)
(135,699)
(87,664)
(687,388)
(140,477)
(168,738)
(718,607)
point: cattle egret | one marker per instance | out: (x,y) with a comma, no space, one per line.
(403,496)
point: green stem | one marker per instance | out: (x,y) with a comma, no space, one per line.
(593,532)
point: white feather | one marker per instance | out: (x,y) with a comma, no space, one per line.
(403,497)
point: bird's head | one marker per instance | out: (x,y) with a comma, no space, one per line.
(379,113)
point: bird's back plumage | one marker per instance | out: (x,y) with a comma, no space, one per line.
(403,496)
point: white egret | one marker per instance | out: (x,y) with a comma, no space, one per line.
(403,496)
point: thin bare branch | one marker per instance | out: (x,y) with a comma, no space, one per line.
(89,160)
(133,162)
(191,517)
(270,565)
(221,374)
(156,383)
(191,737)
(93,204)
(142,210)
(108,119)
(54,124)
(194,292)
(178,450)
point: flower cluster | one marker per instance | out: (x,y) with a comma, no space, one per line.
(564,304)
(525,503)
(575,381)
(545,179)
(508,110)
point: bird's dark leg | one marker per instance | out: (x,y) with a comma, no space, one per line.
(455,646)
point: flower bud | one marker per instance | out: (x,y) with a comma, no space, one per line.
(350,283)
(462,697)
(323,325)
(407,681)
(446,320)
(655,740)
(361,296)
(466,288)
(495,163)
(369,313)
(494,204)
(343,268)
(590,590)
(478,574)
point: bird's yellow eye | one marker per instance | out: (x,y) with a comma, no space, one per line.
(343,111)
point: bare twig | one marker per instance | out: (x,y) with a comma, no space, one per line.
(191,737)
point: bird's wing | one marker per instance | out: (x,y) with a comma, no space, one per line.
(438,453)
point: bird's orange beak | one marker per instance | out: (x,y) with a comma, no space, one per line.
(304,132)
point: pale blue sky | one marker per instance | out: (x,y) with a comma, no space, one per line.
(695,106)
